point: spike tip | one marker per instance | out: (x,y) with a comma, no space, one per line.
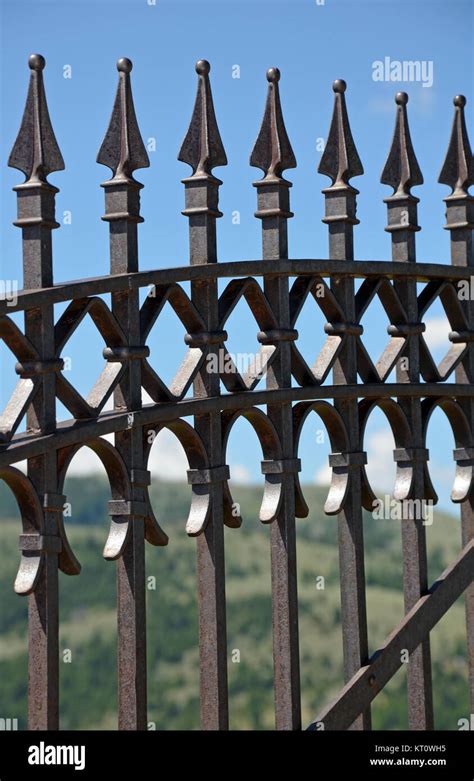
(36,152)
(458,168)
(122,149)
(202,147)
(401,170)
(340,160)
(272,152)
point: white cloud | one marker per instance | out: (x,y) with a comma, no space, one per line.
(240,474)
(323,475)
(85,462)
(167,459)
(380,467)
(436,334)
(442,475)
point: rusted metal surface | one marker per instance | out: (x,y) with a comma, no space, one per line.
(123,152)
(408,635)
(202,149)
(357,269)
(275,289)
(458,173)
(273,154)
(341,162)
(37,154)
(402,172)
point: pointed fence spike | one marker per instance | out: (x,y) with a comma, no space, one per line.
(340,160)
(458,168)
(202,147)
(401,170)
(272,152)
(122,149)
(36,152)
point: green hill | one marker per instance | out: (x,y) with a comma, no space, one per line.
(88,622)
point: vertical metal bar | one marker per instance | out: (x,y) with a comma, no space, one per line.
(340,162)
(202,149)
(467,524)
(37,154)
(458,173)
(43,624)
(123,151)
(273,154)
(402,172)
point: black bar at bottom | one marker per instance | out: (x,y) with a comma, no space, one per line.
(382,755)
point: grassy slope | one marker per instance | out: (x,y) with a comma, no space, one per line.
(88,624)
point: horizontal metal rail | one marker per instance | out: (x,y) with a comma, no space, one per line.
(71,432)
(354,269)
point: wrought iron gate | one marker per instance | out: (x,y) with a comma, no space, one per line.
(275,289)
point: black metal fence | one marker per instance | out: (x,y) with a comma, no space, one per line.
(275,289)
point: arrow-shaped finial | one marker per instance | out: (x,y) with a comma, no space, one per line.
(123,150)
(36,151)
(340,160)
(458,168)
(272,152)
(401,171)
(202,147)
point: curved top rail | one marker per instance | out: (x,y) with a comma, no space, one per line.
(358,269)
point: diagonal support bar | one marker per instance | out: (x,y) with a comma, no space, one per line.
(364,686)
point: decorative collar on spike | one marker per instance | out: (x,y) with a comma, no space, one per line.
(401,170)
(123,150)
(340,160)
(202,147)
(458,168)
(36,152)
(272,152)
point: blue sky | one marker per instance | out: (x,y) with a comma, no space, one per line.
(312,44)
